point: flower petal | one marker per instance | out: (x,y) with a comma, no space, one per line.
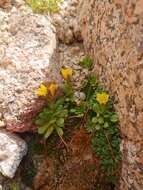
(67,73)
(102,98)
(42,91)
(52,88)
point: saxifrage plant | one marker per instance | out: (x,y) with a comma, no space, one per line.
(95,113)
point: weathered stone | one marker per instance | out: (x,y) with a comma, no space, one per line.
(12,150)
(27,42)
(68,30)
(113,36)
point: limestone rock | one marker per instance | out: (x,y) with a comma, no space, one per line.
(113,36)
(12,150)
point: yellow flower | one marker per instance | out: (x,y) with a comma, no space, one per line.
(66,73)
(52,88)
(42,91)
(102,98)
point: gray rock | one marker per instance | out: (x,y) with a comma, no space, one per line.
(12,150)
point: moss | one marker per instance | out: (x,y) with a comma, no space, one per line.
(47,6)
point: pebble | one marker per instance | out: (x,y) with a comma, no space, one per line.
(12,150)
(2,124)
(68,36)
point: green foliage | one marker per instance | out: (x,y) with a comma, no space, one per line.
(40,6)
(101,123)
(78,110)
(68,90)
(14,186)
(87,63)
(52,118)
(95,112)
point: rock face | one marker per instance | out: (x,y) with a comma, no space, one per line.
(113,36)
(27,42)
(12,150)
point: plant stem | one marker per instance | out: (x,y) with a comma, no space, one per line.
(74,116)
(64,142)
(112,153)
(89,91)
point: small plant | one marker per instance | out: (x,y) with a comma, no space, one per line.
(52,118)
(87,63)
(95,113)
(48,6)
(101,122)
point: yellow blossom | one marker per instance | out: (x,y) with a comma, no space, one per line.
(52,88)
(66,73)
(102,98)
(42,91)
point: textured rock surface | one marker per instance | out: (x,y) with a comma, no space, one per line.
(12,150)
(27,42)
(113,36)
(68,30)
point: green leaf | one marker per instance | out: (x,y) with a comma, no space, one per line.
(106,125)
(79,110)
(59,131)
(114,118)
(59,102)
(64,113)
(100,120)
(90,126)
(94,120)
(98,127)
(87,63)
(60,122)
(49,132)
(41,130)
(113,130)
(96,107)
(38,121)
(93,81)
(68,89)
